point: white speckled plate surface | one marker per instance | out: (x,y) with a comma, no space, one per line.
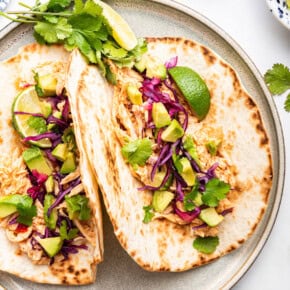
(280,11)
(118,271)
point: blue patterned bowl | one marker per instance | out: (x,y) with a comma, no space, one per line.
(280,11)
(4,4)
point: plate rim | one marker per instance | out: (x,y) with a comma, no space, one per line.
(182,7)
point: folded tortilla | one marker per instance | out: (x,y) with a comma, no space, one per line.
(79,268)
(105,118)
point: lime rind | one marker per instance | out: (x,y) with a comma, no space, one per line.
(193,88)
(27,101)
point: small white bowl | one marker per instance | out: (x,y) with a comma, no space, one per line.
(281,11)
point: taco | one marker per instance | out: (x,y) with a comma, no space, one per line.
(183,186)
(50,215)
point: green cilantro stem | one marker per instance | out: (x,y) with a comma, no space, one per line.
(16,19)
(24,5)
(40,13)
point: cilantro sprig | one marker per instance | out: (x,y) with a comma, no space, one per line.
(278,81)
(78,24)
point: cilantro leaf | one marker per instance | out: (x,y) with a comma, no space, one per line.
(54,32)
(78,40)
(177,162)
(91,7)
(79,5)
(215,191)
(38,88)
(67,235)
(138,151)
(148,214)
(112,51)
(85,22)
(188,201)
(206,245)
(287,104)
(77,207)
(58,5)
(278,79)
(38,124)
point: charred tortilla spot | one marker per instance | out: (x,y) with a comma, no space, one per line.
(264,141)
(209,57)
(70,269)
(250,103)
(84,271)
(241,241)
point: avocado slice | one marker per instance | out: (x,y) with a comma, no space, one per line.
(49,184)
(210,216)
(198,199)
(48,84)
(156,70)
(50,220)
(173,132)
(69,164)
(160,115)
(134,95)
(141,65)
(46,109)
(51,245)
(6,209)
(187,172)
(60,152)
(35,160)
(161,200)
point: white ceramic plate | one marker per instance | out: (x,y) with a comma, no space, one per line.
(280,11)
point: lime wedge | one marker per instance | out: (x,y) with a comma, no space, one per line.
(121,31)
(193,88)
(27,101)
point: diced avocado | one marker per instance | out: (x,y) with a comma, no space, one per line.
(48,84)
(6,209)
(35,160)
(187,172)
(198,199)
(46,109)
(156,70)
(212,146)
(57,114)
(141,65)
(160,115)
(60,152)
(134,95)
(69,164)
(173,132)
(50,220)
(51,245)
(210,217)
(49,184)
(158,178)
(161,200)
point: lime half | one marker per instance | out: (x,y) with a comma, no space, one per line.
(27,102)
(121,31)
(193,88)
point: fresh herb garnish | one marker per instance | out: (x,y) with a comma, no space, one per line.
(77,207)
(206,245)
(65,234)
(38,124)
(138,151)
(24,206)
(278,81)
(188,202)
(38,88)
(148,214)
(215,191)
(83,27)
(50,220)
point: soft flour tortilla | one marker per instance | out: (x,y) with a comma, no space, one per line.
(161,245)
(79,268)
